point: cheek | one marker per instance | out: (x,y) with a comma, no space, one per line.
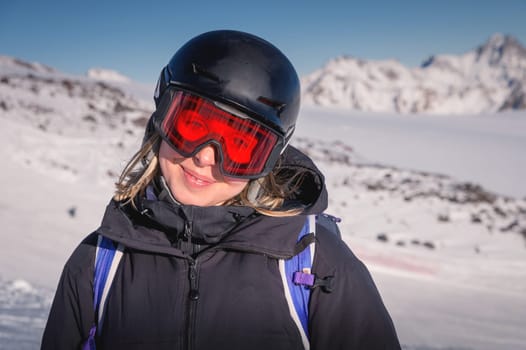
(237,186)
(235,182)
(168,158)
(165,165)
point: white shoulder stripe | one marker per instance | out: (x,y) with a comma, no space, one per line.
(312,229)
(292,309)
(109,280)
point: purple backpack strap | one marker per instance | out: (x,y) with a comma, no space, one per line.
(297,279)
(107,258)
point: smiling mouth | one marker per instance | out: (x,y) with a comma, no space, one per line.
(194,179)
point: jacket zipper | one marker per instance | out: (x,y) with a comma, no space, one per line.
(193,297)
(193,293)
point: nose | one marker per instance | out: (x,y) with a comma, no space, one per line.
(206,156)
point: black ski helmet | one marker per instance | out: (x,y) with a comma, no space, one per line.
(240,70)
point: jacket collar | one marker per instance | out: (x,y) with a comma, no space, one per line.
(221,227)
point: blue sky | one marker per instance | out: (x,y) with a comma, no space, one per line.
(137,38)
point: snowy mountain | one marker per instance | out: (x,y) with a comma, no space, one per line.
(65,104)
(107,75)
(438,247)
(488,79)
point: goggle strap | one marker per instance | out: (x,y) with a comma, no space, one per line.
(288,136)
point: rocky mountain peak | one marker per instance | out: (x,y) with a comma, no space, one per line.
(488,79)
(501,49)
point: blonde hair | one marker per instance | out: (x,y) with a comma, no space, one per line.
(139,172)
(266,195)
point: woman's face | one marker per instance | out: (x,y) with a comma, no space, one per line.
(197,180)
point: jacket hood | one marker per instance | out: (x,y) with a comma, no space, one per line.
(312,192)
(164,226)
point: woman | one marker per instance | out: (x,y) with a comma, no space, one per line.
(205,211)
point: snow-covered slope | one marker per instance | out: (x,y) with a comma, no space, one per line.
(488,79)
(448,255)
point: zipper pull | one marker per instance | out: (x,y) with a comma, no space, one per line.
(187,230)
(192,276)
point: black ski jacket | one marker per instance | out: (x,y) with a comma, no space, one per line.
(207,278)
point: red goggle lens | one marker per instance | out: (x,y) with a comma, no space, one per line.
(192,121)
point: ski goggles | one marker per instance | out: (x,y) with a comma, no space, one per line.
(245,148)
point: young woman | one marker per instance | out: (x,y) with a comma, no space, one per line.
(206,210)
